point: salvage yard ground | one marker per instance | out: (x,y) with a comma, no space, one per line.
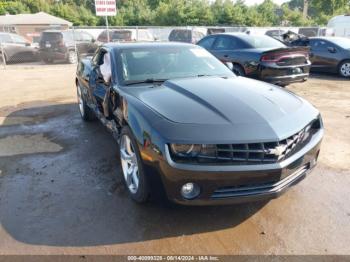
(60,192)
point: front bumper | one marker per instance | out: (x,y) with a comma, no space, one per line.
(283,75)
(237,184)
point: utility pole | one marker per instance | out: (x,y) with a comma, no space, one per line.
(305,8)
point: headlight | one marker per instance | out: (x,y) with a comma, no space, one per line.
(185,149)
(193,150)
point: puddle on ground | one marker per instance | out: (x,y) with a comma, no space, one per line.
(27,144)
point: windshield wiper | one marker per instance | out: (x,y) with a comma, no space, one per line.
(149,80)
(203,75)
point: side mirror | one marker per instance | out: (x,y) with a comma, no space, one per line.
(93,40)
(27,44)
(331,49)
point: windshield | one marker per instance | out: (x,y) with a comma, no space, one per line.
(342,42)
(162,63)
(262,41)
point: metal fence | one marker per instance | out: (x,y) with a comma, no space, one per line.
(27,44)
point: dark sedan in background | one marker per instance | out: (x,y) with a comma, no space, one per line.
(16,48)
(260,57)
(328,54)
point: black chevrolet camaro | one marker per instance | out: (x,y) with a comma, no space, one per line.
(191,131)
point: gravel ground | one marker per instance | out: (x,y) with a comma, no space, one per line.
(61,192)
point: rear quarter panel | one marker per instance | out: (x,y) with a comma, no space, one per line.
(248,59)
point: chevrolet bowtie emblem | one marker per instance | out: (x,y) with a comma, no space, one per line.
(278,150)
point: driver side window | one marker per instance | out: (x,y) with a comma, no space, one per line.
(98,57)
(102,63)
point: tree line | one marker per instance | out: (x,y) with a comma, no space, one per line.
(187,12)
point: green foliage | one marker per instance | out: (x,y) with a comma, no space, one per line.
(185,12)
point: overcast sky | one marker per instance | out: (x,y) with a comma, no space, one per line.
(252,2)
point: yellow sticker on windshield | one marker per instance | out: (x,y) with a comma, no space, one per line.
(199,52)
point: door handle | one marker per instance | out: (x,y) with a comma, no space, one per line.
(226,55)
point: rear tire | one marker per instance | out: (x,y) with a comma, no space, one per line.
(238,70)
(85,111)
(344,69)
(133,172)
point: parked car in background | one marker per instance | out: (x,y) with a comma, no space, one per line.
(260,56)
(185,35)
(315,31)
(66,46)
(115,35)
(142,35)
(340,25)
(192,132)
(16,48)
(329,54)
(215,30)
(275,33)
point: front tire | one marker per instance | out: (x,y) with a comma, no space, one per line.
(344,69)
(132,167)
(85,112)
(238,70)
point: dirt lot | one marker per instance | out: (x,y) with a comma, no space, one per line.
(60,192)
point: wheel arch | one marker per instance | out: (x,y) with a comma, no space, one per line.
(340,63)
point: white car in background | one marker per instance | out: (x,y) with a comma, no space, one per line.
(341,25)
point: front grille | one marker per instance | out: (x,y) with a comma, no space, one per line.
(292,60)
(254,153)
(261,188)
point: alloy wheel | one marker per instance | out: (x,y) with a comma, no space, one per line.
(129,164)
(80,101)
(345,69)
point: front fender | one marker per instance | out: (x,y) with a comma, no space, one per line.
(142,121)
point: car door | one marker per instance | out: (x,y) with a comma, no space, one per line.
(98,86)
(323,55)
(7,45)
(24,51)
(225,48)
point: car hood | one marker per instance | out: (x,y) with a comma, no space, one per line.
(215,100)
(235,104)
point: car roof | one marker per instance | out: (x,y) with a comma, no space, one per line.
(239,34)
(129,45)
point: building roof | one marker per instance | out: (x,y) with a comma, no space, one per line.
(40,18)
